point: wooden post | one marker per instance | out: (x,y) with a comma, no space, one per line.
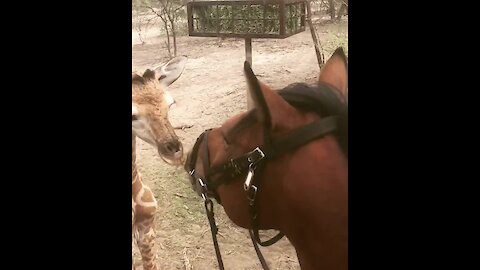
(316,41)
(248,58)
(190,19)
(248,50)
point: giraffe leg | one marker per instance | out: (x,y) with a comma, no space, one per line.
(145,211)
(146,243)
(133,231)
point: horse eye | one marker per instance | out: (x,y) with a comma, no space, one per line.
(225,139)
(134,117)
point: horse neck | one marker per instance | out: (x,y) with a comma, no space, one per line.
(314,194)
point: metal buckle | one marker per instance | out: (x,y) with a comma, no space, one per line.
(253,158)
(248,180)
(256,150)
(252,194)
(209,206)
(204,188)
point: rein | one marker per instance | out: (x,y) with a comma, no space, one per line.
(250,165)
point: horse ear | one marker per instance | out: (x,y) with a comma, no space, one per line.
(256,93)
(335,71)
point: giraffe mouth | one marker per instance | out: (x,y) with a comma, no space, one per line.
(171,152)
(174,161)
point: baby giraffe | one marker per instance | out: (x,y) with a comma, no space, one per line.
(150,105)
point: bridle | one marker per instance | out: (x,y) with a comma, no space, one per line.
(250,166)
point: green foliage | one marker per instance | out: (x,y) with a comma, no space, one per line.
(336,40)
(294,17)
(246,19)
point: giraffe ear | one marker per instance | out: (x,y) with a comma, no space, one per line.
(168,73)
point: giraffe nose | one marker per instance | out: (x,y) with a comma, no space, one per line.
(173,147)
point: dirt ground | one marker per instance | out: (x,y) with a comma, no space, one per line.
(212,89)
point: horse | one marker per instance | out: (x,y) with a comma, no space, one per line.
(283,165)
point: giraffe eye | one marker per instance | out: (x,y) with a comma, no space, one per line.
(134,117)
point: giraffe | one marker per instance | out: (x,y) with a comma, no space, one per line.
(150,105)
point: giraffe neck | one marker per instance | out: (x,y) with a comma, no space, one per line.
(141,193)
(136,181)
(134,155)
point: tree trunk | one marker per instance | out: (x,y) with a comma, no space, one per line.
(331,4)
(341,11)
(165,25)
(170,12)
(316,42)
(168,38)
(174,35)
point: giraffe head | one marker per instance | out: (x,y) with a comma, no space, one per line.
(150,106)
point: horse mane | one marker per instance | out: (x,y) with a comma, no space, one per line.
(323,100)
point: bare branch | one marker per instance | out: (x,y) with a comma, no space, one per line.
(182,6)
(153,10)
